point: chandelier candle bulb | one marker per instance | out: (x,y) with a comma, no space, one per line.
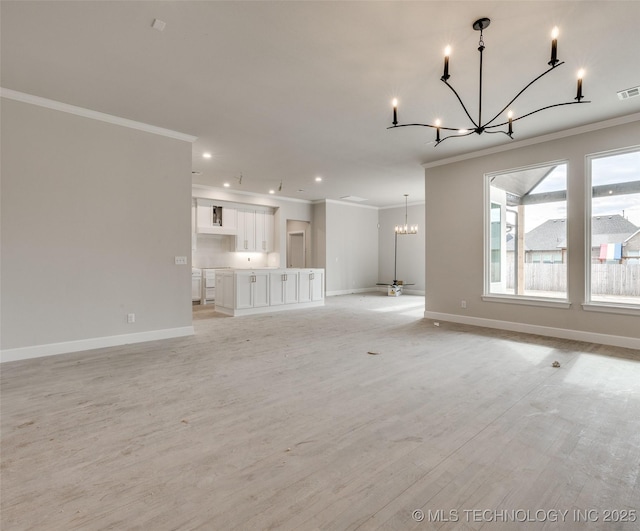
(437,131)
(510,116)
(395,111)
(554,46)
(447,53)
(580,76)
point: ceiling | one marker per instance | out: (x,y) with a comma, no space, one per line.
(284,92)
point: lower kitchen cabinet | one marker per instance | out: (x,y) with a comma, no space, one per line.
(283,287)
(311,285)
(243,292)
(252,289)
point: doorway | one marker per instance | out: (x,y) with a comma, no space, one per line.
(295,250)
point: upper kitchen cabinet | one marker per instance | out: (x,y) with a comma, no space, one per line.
(254,231)
(211,218)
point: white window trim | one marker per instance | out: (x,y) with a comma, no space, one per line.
(631,309)
(591,305)
(526,300)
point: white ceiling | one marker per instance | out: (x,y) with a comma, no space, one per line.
(287,91)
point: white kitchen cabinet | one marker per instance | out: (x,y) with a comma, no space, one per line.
(224,288)
(311,285)
(196,288)
(254,229)
(211,218)
(246,231)
(251,289)
(194,235)
(246,292)
(264,231)
(283,287)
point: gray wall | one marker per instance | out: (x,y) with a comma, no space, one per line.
(454,241)
(410,266)
(351,247)
(92,217)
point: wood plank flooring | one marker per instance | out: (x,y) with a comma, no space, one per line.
(285,421)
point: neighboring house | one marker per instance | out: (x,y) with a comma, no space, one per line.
(614,238)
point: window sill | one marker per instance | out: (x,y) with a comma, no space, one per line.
(528,301)
(611,308)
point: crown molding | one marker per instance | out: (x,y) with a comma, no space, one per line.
(346,203)
(621,120)
(94,115)
(230,191)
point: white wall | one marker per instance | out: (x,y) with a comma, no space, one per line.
(92,217)
(351,247)
(410,264)
(454,239)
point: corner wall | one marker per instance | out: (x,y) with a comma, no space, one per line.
(454,243)
(93,215)
(351,248)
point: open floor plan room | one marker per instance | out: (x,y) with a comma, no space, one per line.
(360,414)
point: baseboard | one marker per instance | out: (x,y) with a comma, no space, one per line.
(384,289)
(349,291)
(562,333)
(52,349)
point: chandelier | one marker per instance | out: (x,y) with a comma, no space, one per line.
(490,126)
(406,229)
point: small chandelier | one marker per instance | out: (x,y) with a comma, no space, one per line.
(406,229)
(479,126)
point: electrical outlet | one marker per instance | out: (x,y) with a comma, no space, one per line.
(181,260)
(463,304)
(131,318)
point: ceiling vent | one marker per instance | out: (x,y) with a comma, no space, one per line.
(629,93)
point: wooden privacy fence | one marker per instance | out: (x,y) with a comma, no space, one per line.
(606,279)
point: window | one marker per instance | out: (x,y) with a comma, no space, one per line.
(527,232)
(613,258)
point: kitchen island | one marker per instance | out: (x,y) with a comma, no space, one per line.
(251,291)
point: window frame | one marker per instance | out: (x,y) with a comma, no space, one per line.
(589,304)
(527,300)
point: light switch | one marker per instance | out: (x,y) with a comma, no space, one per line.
(181,260)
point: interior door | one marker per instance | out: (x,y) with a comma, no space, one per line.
(295,250)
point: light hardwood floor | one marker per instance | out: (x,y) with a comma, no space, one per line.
(286,421)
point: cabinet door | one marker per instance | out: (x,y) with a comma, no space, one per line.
(244,284)
(290,287)
(276,287)
(246,231)
(304,293)
(196,289)
(204,215)
(317,284)
(229,218)
(261,290)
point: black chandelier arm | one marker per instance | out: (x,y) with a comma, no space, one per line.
(521,92)
(496,132)
(424,125)
(534,112)
(454,136)
(461,102)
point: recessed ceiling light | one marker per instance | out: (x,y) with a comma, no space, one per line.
(226,185)
(318,179)
(206,155)
(272,191)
